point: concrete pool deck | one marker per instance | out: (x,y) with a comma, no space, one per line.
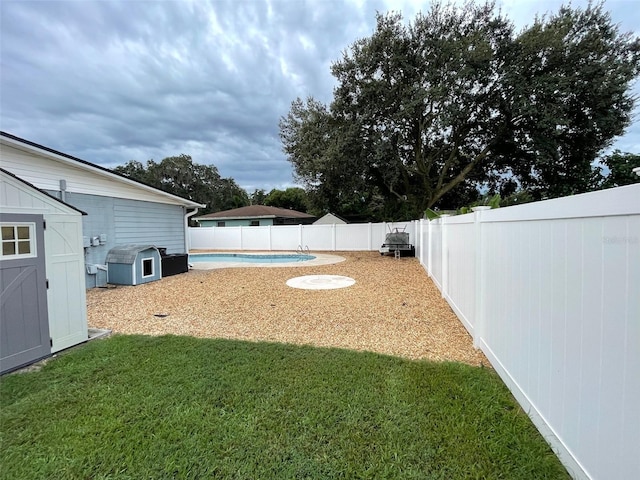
(321,259)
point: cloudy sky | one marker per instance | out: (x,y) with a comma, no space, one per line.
(113,81)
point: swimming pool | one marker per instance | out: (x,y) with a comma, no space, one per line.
(249,258)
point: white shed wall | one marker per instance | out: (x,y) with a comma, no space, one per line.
(64,260)
(65,270)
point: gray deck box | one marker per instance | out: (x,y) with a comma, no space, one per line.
(133,264)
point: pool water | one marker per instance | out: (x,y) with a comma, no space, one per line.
(248,258)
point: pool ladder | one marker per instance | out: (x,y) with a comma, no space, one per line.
(303,251)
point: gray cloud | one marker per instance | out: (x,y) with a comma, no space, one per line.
(136,80)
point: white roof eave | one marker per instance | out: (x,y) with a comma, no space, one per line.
(252,217)
(99,171)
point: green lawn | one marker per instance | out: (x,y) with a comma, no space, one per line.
(180,407)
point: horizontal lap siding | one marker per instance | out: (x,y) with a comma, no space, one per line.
(97,221)
(149,223)
(123,222)
(46,173)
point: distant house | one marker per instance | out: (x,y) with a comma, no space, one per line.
(254,216)
(120,211)
(330,219)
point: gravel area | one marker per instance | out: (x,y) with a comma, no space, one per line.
(393,308)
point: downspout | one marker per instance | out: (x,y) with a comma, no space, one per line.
(186,229)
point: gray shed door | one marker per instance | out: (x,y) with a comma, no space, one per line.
(24,325)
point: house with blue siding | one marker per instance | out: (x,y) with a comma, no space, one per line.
(254,216)
(119,210)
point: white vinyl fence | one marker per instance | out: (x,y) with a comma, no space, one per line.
(318,238)
(550,291)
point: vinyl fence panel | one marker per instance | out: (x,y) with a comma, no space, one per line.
(201,238)
(349,237)
(435,252)
(557,312)
(318,237)
(256,238)
(285,237)
(354,237)
(227,238)
(460,257)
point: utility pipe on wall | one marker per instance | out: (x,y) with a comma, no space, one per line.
(63,190)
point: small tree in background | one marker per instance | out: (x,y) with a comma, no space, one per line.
(257,197)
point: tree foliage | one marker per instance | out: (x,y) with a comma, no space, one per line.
(257,197)
(570,77)
(182,177)
(616,170)
(426,112)
(294,198)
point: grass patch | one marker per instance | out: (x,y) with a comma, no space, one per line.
(181,407)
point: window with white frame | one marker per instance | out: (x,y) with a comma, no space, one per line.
(18,240)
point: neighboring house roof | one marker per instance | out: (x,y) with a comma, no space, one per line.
(21,170)
(41,191)
(253,211)
(330,219)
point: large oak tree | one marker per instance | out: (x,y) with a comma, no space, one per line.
(180,176)
(457,99)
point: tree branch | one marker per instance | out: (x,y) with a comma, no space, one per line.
(440,192)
